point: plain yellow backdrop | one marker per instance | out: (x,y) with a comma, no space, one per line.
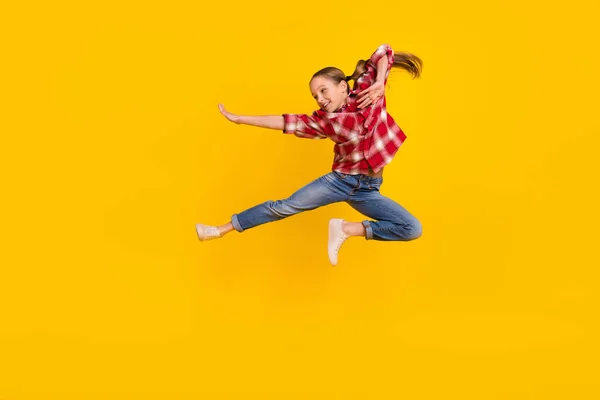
(113,148)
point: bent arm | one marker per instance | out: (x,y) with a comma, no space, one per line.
(386,53)
(375,78)
(382,68)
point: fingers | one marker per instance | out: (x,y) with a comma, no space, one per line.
(368,97)
(363,93)
(369,100)
(371,90)
(231,117)
(223,111)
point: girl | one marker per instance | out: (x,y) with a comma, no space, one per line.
(366,139)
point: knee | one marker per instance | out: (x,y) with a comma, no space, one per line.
(282,208)
(415,230)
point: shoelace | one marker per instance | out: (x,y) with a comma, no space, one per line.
(212,231)
(341,240)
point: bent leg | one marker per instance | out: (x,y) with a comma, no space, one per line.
(393,222)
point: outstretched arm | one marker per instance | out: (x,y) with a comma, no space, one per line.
(263,121)
(301,125)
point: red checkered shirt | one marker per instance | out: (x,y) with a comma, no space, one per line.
(364,138)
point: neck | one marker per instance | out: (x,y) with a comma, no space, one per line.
(345,101)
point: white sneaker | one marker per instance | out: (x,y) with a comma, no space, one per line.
(337,237)
(206,232)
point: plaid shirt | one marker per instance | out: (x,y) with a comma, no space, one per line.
(364,138)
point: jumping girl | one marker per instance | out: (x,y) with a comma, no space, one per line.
(366,139)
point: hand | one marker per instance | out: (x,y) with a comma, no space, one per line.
(369,96)
(228,115)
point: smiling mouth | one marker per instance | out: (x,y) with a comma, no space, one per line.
(326,104)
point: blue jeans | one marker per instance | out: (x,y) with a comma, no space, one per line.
(361,192)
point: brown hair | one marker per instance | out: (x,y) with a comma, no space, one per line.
(406,61)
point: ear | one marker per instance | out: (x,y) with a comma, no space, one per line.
(346,86)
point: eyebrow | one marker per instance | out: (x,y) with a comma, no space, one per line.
(318,89)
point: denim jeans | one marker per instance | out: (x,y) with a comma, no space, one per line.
(361,192)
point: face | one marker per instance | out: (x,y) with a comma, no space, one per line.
(329,95)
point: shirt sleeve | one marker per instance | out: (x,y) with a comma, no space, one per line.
(385,50)
(306,126)
(370,75)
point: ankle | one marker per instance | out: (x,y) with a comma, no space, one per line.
(225,229)
(353,228)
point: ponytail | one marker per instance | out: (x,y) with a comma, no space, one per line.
(406,61)
(358,71)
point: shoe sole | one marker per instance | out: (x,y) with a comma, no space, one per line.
(332,227)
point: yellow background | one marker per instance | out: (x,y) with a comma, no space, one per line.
(113,148)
